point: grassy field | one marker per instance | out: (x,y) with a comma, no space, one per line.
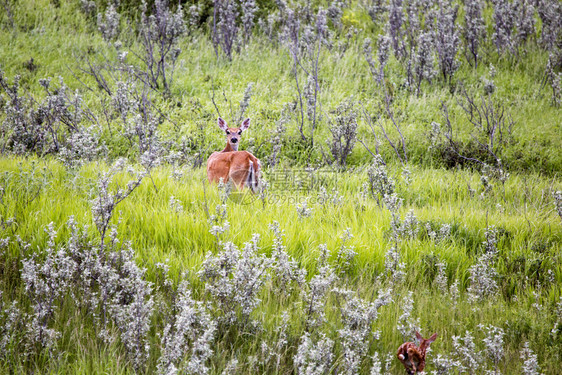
(188,277)
(530,239)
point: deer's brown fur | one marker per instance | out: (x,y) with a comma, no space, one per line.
(412,356)
(240,167)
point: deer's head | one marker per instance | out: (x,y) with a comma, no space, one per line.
(425,343)
(233,135)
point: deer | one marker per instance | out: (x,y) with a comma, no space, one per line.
(412,356)
(240,167)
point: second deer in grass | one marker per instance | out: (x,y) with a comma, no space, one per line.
(412,356)
(240,167)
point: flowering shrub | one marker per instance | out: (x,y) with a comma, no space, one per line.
(233,278)
(468,357)
(357,317)
(474,31)
(447,38)
(286,271)
(191,330)
(483,275)
(407,325)
(344,133)
(314,357)
(494,344)
(160,33)
(225,28)
(504,19)
(380,184)
(108,23)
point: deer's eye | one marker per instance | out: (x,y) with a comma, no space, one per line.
(239,132)
(228,132)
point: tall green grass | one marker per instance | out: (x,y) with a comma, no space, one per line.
(530,230)
(39,191)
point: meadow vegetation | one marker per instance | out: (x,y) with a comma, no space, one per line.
(410,181)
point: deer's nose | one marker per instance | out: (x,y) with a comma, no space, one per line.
(234,140)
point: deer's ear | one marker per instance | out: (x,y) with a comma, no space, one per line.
(432,338)
(418,336)
(222,124)
(245,124)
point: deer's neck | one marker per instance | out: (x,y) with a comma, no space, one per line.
(230,148)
